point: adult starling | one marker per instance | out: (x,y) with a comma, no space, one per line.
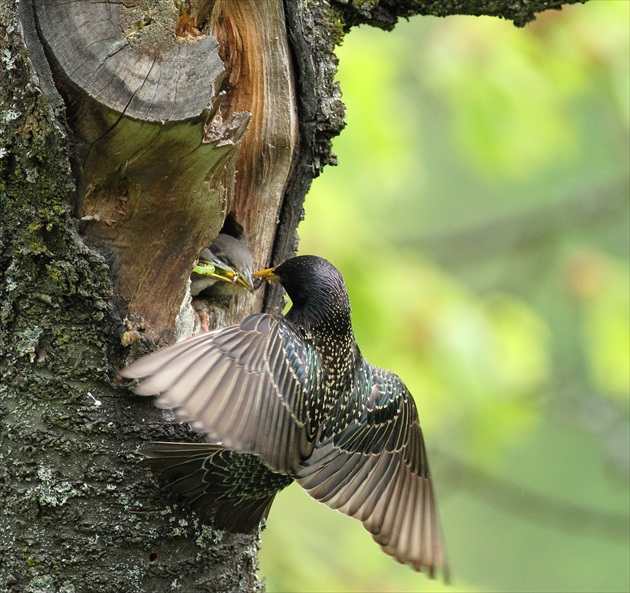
(292,398)
(225,264)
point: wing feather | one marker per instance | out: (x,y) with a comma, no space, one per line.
(374,469)
(149,365)
(243,385)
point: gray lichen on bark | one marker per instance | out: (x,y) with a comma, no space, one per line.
(386,13)
(77,512)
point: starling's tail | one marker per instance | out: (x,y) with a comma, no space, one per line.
(232,491)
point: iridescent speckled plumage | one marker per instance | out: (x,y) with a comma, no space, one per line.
(292,398)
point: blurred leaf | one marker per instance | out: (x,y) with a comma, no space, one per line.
(602,286)
(509,93)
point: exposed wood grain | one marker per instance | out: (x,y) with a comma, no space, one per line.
(159,79)
(155,173)
(167,145)
(259,80)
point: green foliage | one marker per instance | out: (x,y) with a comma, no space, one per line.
(479,215)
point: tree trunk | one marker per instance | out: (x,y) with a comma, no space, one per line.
(130,135)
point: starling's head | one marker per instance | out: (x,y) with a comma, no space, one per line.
(315,287)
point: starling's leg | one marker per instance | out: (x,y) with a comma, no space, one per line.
(205,322)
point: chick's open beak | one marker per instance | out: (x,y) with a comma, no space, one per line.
(245,280)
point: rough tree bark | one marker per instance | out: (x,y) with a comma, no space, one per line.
(130,134)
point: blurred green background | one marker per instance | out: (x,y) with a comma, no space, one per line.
(480,217)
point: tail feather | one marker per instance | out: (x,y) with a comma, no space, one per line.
(229,490)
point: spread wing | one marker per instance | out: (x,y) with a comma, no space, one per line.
(246,386)
(371,464)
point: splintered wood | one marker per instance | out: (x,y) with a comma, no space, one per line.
(182,114)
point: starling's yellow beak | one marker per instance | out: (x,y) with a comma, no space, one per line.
(267,274)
